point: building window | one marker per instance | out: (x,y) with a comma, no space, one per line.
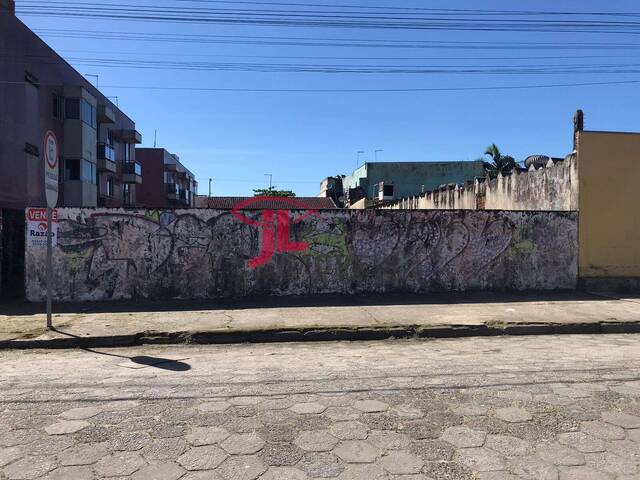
(110,137)
(109,187)
(88,172)
(126,153)
(71,169)
(126,193)
(58,107)
(72,108)
(80,109)
(88,113)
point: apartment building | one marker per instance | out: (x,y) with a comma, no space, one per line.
(391,180)
(167,182)
(39,93)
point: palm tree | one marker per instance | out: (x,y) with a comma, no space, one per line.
(499,163)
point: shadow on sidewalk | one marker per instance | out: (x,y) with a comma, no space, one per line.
(18,308)
(144,360)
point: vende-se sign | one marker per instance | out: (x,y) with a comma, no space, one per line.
(37,227)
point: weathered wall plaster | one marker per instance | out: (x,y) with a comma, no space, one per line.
(554,187)
(120,254)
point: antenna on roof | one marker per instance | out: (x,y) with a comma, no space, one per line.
(97,77)
(155,137)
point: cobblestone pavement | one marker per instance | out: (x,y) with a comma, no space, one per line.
(559,408)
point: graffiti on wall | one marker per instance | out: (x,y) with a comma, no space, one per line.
(275,228)
(115,254)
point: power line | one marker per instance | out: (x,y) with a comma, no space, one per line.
(333,42)
(445,11)
(323,57)
(352,90)
(330,19)
(327,68)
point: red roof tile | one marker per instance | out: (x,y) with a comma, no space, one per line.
(266,203)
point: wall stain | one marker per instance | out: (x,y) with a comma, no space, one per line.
(120,254)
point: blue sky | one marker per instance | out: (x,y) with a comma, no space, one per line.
(300,138)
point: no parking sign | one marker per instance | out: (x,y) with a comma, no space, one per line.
(51,168)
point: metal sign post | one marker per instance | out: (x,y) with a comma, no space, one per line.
(49,266)
(51,179)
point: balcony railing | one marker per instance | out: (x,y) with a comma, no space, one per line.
(132,167)
(106,152)
(105,114)
(130,136)
(132,172)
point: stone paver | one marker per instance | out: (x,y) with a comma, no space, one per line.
(284,473)
(82,454)
(316,441)
(159,471)
(243,444)
(508,445)
(72,473)
(200,436)
(281,454)
(10,454)
(349,430)
(402,463)
(321,465)
(513,414)
(214,406)
(81,413)
(29,468)
(602,430)
(241,468)
(164,449)
(583,473)
(388,440)
(481,459)
(523,409)
(463,437)
(66,426)
(119,464)
(371,406)
(357,451)
(557,454)
(610,463)
(621,419)
(202,458)
(308,408)
(582,442)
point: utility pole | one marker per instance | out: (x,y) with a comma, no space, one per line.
(360,152)
(210,180)
(375,153)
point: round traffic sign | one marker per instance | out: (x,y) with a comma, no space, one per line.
(51,149)
(51,170)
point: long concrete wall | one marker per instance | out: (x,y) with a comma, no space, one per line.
(554,187)
(120,254)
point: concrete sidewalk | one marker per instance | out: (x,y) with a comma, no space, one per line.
(317,319)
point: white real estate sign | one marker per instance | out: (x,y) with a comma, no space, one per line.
(37,227)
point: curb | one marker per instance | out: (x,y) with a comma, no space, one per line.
(321,335)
